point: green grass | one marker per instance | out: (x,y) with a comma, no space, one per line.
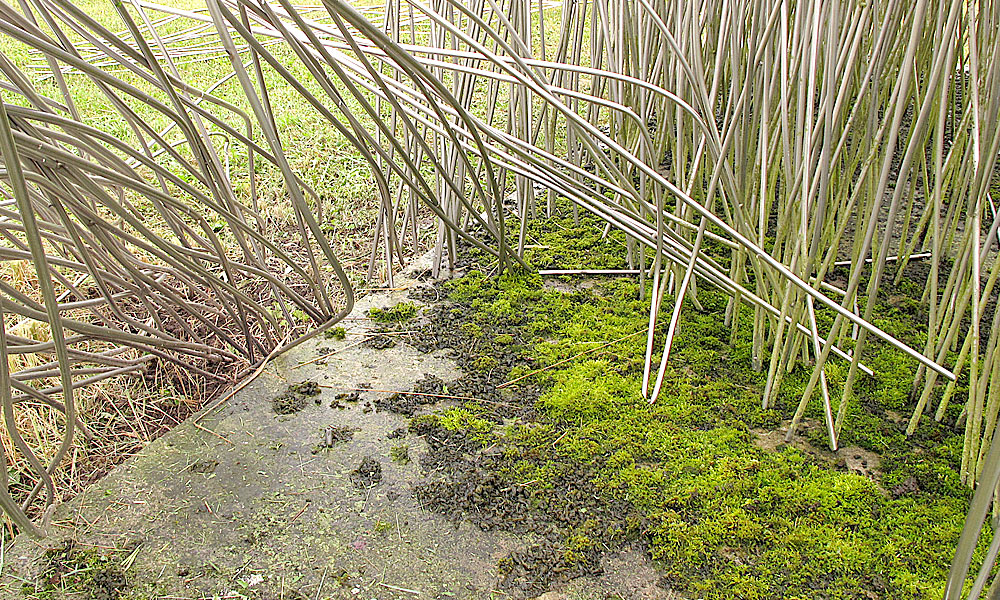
(324,159)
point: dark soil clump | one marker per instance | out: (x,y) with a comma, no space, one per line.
(446,453)
(204,466)
(81,570)
(334,435)
(306,388)
(526,570)
(340,399)
(295,397)
(429,294)
(475,488)
(348,396)
(380,342)
(427,390)
(368,474)
(908,487)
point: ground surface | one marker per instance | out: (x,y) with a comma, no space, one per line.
(315,503)
(521,461)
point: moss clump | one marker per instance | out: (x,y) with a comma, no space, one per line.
(404,311)
(504,339)
(485,363)
(472,330)
(335,333)
(467,419)
(689,476)
(400,454)
(83,571)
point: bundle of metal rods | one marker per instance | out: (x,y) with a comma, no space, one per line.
(754,146)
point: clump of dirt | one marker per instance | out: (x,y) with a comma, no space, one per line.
(295,398)
(305,388)
(484,352)
(450,452)
(368,474)
(525,570)
(427,390)
(379,342)
(332,436)
(908,487)
(567,524)
(82,571)
(204,466)
(429,294)
(287,403)
(430,384)
(340,399)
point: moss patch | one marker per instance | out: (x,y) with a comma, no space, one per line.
(335,333)
(574,454)
(400,454)
(72,569)
(403,311)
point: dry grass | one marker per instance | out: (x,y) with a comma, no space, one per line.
(122,414)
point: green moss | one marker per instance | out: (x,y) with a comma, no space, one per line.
(335,333)
(400,454)
(485,363)
(723,516)
(403,311)
(472,330)
(78,570)
(466,419)
(503,339)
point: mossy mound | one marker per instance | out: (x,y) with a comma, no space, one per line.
(75,570)
(403,311)
(573,453)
